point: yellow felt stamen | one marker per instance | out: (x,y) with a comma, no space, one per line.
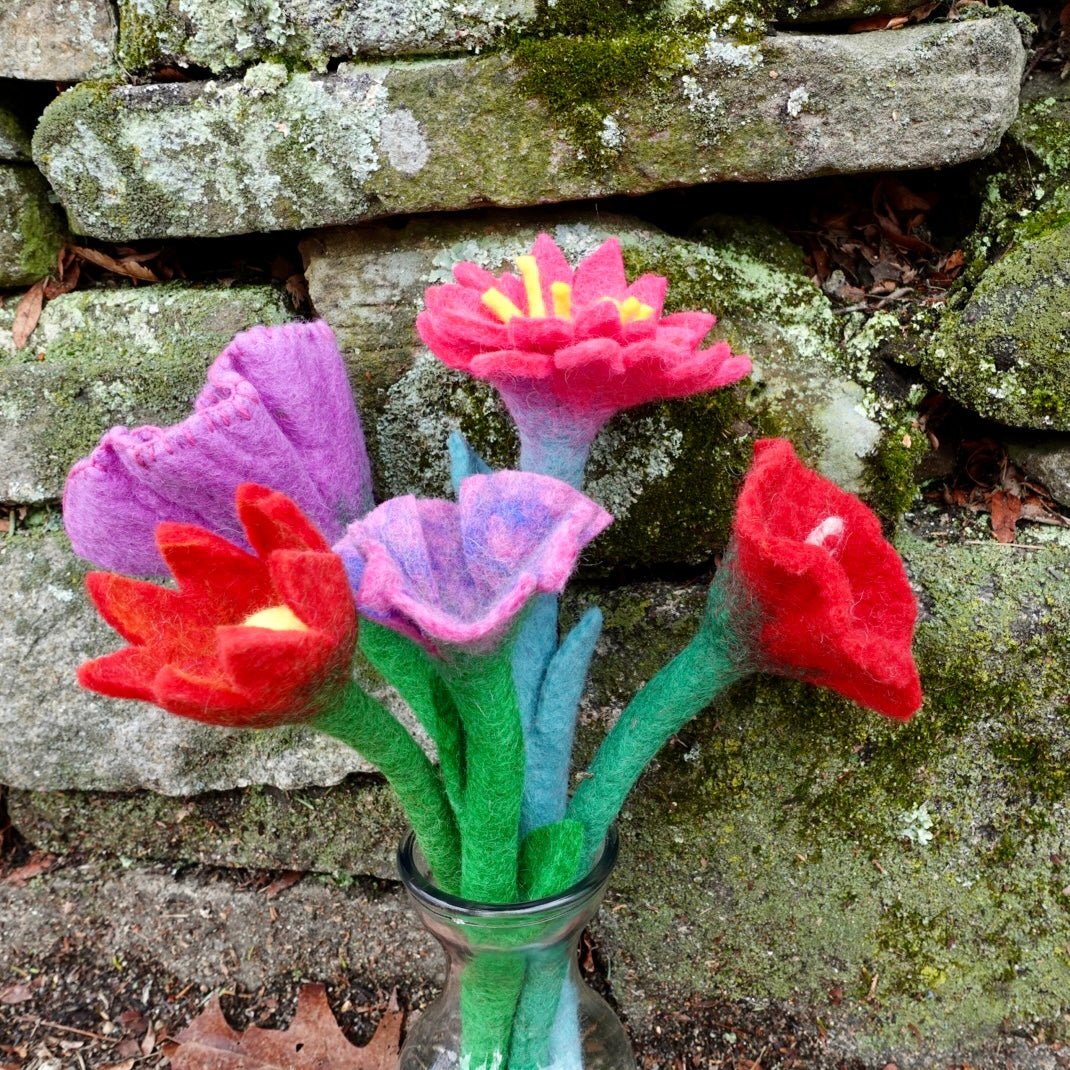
(633,309)
(561,293)
(500,305)
(277,618)
(529,272)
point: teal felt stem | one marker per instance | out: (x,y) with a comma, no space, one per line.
(484,694)
(550,735)
(413,674)
(679,691)
(464,461)
(369,728)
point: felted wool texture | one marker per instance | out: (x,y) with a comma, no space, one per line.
(455,575)
(549,857)
(831,594)
(482,689)
(369,728)
(464,461)
(678,692)
(490,988)
(192,652)
(409,670)
(539,1010)
(276,409)
(583,341)
(549,739)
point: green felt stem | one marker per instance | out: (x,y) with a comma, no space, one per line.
(411,671)
(679,691)
(369,728)
(485,697)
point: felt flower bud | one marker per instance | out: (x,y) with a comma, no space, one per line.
(247,640)
(816,587)
(567,349)
(276,409)
(455,575)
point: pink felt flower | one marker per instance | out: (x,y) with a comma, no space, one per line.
(454,575)
(567,349)
(276,410)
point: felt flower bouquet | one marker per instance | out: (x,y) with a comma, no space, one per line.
(259,506)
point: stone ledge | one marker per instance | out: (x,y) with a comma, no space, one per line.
(56,40)
(277,152)
(30,230)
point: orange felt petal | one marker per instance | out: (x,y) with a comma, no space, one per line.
(137,610)
(222,581)
(209,699)
(273,522)
(128,673)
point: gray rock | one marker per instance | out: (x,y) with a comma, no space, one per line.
(30,229)
(1005,353)
(56,40)
(103,357)
(207,158)
(14,141)
(204,33)
(844,10)
(1047,460)
(666,472)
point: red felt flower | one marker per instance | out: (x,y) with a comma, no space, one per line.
(832,600)
(247,640)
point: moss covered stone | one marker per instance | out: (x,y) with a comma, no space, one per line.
(668,472)
(14,141)
(30,229)
(787,845)
(224,37)
(273,152)
(104,357)
(56,40)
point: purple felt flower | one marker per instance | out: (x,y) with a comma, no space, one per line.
(456,574)
(276,410)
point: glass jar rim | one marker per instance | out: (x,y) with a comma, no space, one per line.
(419,886)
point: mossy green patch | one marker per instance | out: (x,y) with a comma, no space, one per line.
(30,230)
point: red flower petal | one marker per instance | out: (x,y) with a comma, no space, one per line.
(273,522)
(135,609)
(600,275)
(128,673)
(221,581)
(316,588)
(273,668)
(208,699)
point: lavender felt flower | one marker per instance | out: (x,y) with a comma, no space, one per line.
(276,410)
(456,574)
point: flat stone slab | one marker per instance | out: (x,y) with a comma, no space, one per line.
(276,152)
(30,230)
(104,357)
(204,33)
(56,40)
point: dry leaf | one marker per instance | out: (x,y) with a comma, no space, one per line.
(1006,511)
(280,884)
(313,1041)
(126,1064)
(28,312)
(16,994)
(39,863)
(128,266)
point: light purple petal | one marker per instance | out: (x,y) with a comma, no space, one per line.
(276,410)
(457,574)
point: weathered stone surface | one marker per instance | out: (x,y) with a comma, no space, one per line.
(785,845)
(1046,459)
(30,230)
(844,10)
(103,357)
(667,472)
(278,151)
(14,141)
(1006,353)
(204,33)
(56,40)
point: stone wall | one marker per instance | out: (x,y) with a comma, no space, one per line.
(902,894)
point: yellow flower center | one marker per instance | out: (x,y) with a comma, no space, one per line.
(630,309)
(277,618)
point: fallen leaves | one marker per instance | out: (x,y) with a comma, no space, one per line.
(18,993)
(313,1041)
(28,312)
(871,245)
(38,863)
(893,22)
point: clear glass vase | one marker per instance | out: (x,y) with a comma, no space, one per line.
(514,998)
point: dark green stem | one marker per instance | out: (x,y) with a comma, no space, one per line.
(369,728)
